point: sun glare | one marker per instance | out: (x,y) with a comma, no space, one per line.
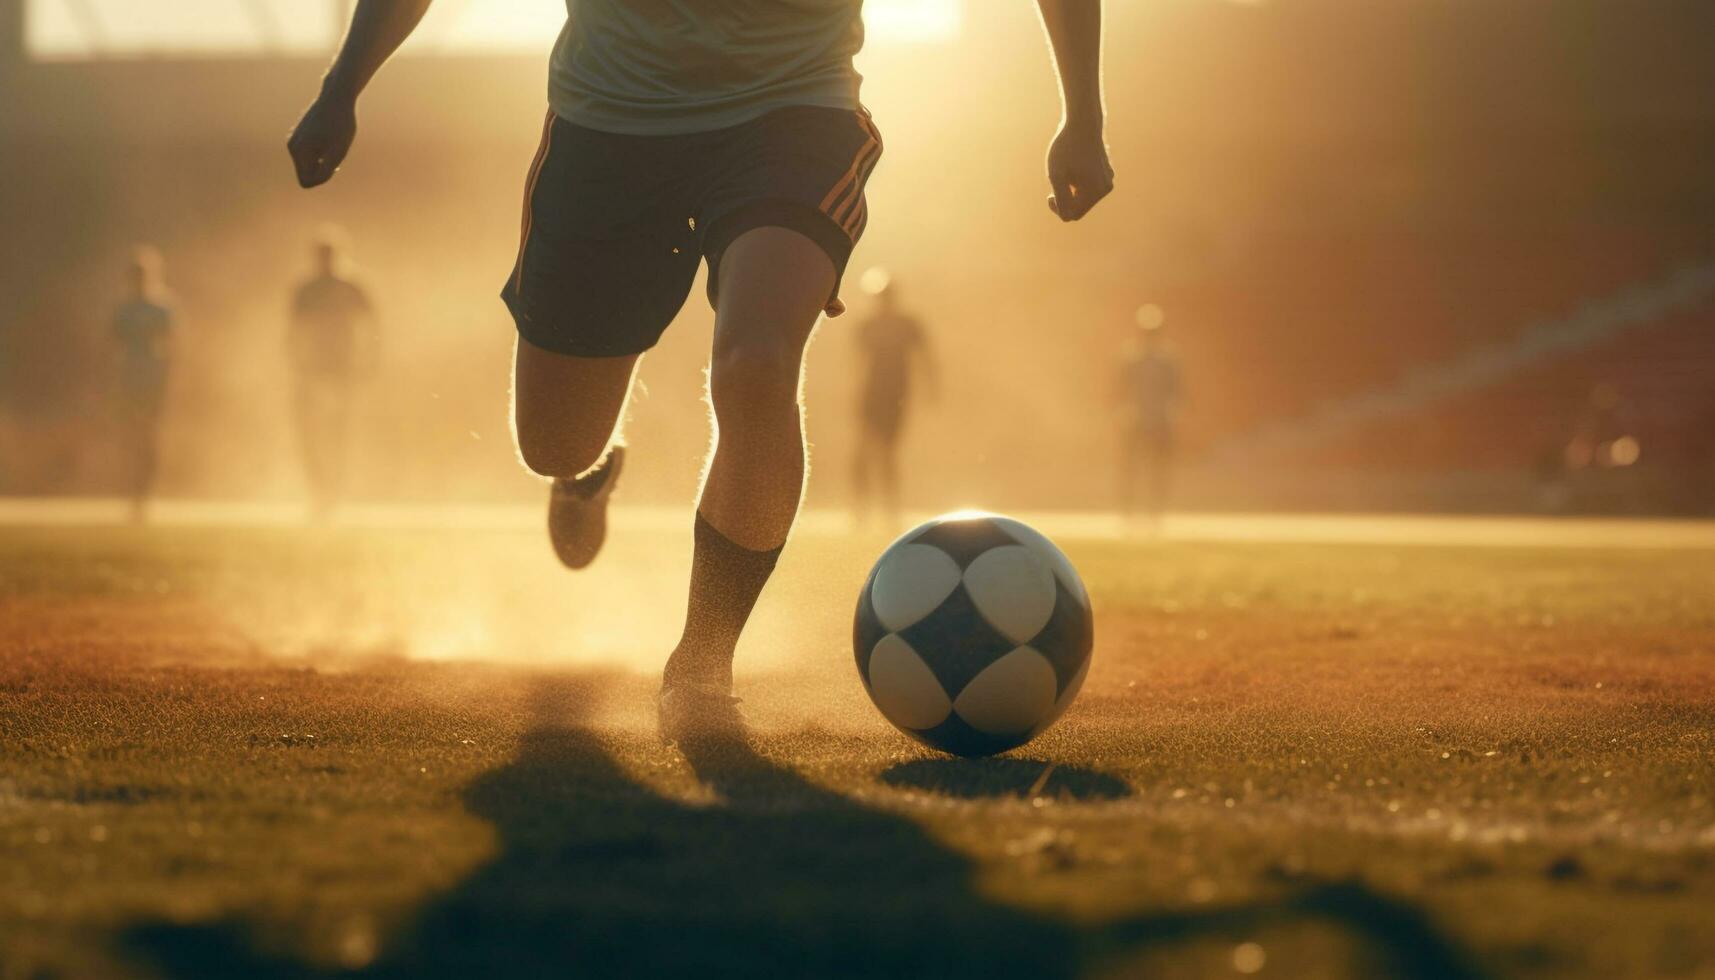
(61,29)
(913,20)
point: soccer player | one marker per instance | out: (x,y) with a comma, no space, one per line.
(893,346)
(331,344)
(1149,392)
(143,329)
(683,131)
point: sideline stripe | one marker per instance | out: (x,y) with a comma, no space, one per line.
(854,193)
(845,214)
(859,219)
(542,148)
(846,181)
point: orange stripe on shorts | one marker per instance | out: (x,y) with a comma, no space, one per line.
(851,175)
(855,223)
(846,213)
(848,204)
(530,192)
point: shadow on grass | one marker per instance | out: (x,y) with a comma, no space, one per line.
(994,778)
(598,876)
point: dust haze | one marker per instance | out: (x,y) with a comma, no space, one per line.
(1306,239)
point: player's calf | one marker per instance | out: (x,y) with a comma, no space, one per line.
(774,283)
(749,500)
(757,471)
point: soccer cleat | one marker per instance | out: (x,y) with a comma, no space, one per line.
(577,511)
(687,711)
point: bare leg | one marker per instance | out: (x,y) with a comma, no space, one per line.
(337,438)
(307,414)
(774,284)
(887,453)
(322,412)
(145,426)
(566,416)
(861,462)
(1159,477)
(566,410)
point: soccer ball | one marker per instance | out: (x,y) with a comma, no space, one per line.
(973,633)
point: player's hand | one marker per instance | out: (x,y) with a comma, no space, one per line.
(1078,170)
(323,138)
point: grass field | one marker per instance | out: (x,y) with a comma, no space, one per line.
(268,752)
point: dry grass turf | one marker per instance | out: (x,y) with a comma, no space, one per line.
(277,753)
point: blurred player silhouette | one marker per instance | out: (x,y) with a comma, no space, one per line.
(892,346)
(331,345)
(143,328)
(681,131)
(1149,391)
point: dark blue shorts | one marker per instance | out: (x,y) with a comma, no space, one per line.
(616,225)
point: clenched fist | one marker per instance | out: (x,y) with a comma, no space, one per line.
(323,138)
(1078,171)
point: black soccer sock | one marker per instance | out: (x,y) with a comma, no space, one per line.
(726,579)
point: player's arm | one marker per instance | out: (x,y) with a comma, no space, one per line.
(1078,167)
(325,134)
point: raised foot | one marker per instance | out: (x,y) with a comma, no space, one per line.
(577,511)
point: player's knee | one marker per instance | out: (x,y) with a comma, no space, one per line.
(754,373)
(558,453)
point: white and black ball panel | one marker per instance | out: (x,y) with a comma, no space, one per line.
(910,581)
(987,663)
(1068,693)
(963,539)
(1011,696)
(1068,637)
(1045,549)
(957,641)
(904,688)
(867,630)
(958,737)
(1013,589)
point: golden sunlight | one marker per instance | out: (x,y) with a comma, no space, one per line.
(60,29)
